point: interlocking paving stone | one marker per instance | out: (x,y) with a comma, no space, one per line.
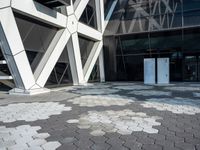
(150,93)
(123,122)
(146,140)
(84,143)
(151,147)
(100,146)
(51,145)
(158,137)
(165,143)
(107,100)
(192,140)
(174,88)
(185,146)
(97,133)
(133,145)
(134,87)
(116,129)
(30,111)
(67,147)
(25,137)
(170,148)
(68,140)
(115,147)
(174,138)
(96,91)
(174,105)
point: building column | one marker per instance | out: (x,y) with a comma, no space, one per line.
(101,67)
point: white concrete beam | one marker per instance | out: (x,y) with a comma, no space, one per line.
(75,60)
(89,32)
(110,12)
(39,12)
(11,32)
(13,50)
(100,14)
(5,3)
(51,56)
(80,8)
(89,65)
(97,47)
(101,67)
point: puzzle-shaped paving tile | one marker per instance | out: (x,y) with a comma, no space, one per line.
(123,122)
(102,100)
(30,111)
(150,93)
(25,137)
(183,88)
(93,91)
(88,86)
(175,105)
(122,84)
(196,94)
(134,87)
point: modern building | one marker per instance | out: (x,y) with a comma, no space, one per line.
(51,43)
(142,29)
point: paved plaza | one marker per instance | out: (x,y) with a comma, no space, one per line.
(107,116)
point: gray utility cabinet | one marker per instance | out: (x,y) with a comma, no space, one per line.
(162,70)
(149,71)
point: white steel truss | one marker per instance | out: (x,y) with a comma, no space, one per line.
(29,82)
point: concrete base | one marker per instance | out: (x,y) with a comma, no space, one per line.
(17,91)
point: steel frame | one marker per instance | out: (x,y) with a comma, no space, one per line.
(28,82)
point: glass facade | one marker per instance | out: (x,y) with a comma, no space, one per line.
(36,38)
(154,15)
(155,29)
(89,15)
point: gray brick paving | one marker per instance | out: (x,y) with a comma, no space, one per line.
(122,117)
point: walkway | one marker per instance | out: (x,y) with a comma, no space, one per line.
(114,116)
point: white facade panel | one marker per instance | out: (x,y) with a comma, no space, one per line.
(25,71)
(37,11)
(11,32)
(5,3)
(89,32)
(80,8)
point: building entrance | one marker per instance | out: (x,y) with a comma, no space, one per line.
(192,68)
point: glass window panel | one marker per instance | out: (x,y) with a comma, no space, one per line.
(191,4)
(192,18)
(175,20)
(85,48)
(89,15)
(61,74)
(134,64)
(166,40)
(95,74)
(191,40)
(36,37)
(135,44)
